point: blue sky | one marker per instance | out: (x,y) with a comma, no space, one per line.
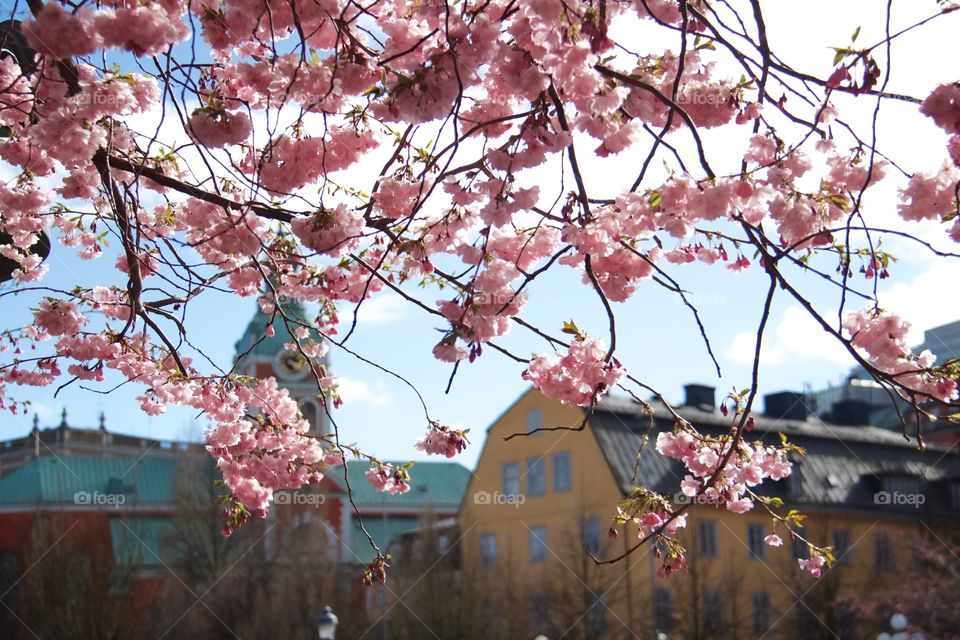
(658,340)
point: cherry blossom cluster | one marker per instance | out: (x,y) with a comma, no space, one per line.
(716,474)
(654,518)
(943,106)
(882,336)
(310,156)
(577,378)
(442,440)
(388,479)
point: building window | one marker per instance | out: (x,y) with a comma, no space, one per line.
(807,623)
(443,544)
(841,546)
(309,410)
(536,481)
(761,613)
(596,618)
(591,535)
(955,495)
(534,420)
(511,479)
(902,485)
(755,535)
(488,549)
(561,472)
(798,548)
(663,610)
(794,482)
(539,613)
(713,612)
(884,551)
(847,623)
(707,534)
(538,544)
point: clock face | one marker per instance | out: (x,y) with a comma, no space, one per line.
(292,365)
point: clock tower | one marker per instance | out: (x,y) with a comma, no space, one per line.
(260,356)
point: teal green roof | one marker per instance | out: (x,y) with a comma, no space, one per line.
(380,531)
(437,484)
(141,541)
(56,479)
(268,346)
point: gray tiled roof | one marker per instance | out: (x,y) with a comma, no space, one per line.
(843,465)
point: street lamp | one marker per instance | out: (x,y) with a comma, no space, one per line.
(326,624)
(898,623)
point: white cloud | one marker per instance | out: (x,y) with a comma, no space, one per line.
(797,335)
(801,335)
(380,309)
(927,301)
(44,411)
(744,345)
(359,392)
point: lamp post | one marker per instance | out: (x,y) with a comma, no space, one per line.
(898,623)
(326,624)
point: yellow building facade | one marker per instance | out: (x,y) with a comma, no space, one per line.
(539,504)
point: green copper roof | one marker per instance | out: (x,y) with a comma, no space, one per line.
(437,484)
(268,346)
(75,479)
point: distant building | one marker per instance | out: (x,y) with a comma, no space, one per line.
(942,341)
(860,400)
(125,492)
(537,505)
(64,440)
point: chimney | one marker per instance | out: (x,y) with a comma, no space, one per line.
(850,413)
(785,405)
(700,396)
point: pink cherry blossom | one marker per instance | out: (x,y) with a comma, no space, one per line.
(443,441)
(813,565)
(943,106)
(219,128)
(577,378)
(59,317)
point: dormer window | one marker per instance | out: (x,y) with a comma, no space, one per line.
(794,482)
(901,484)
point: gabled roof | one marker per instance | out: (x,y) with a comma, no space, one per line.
(58,479)
(439,485)
(843,465)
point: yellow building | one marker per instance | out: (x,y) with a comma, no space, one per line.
(538,503)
